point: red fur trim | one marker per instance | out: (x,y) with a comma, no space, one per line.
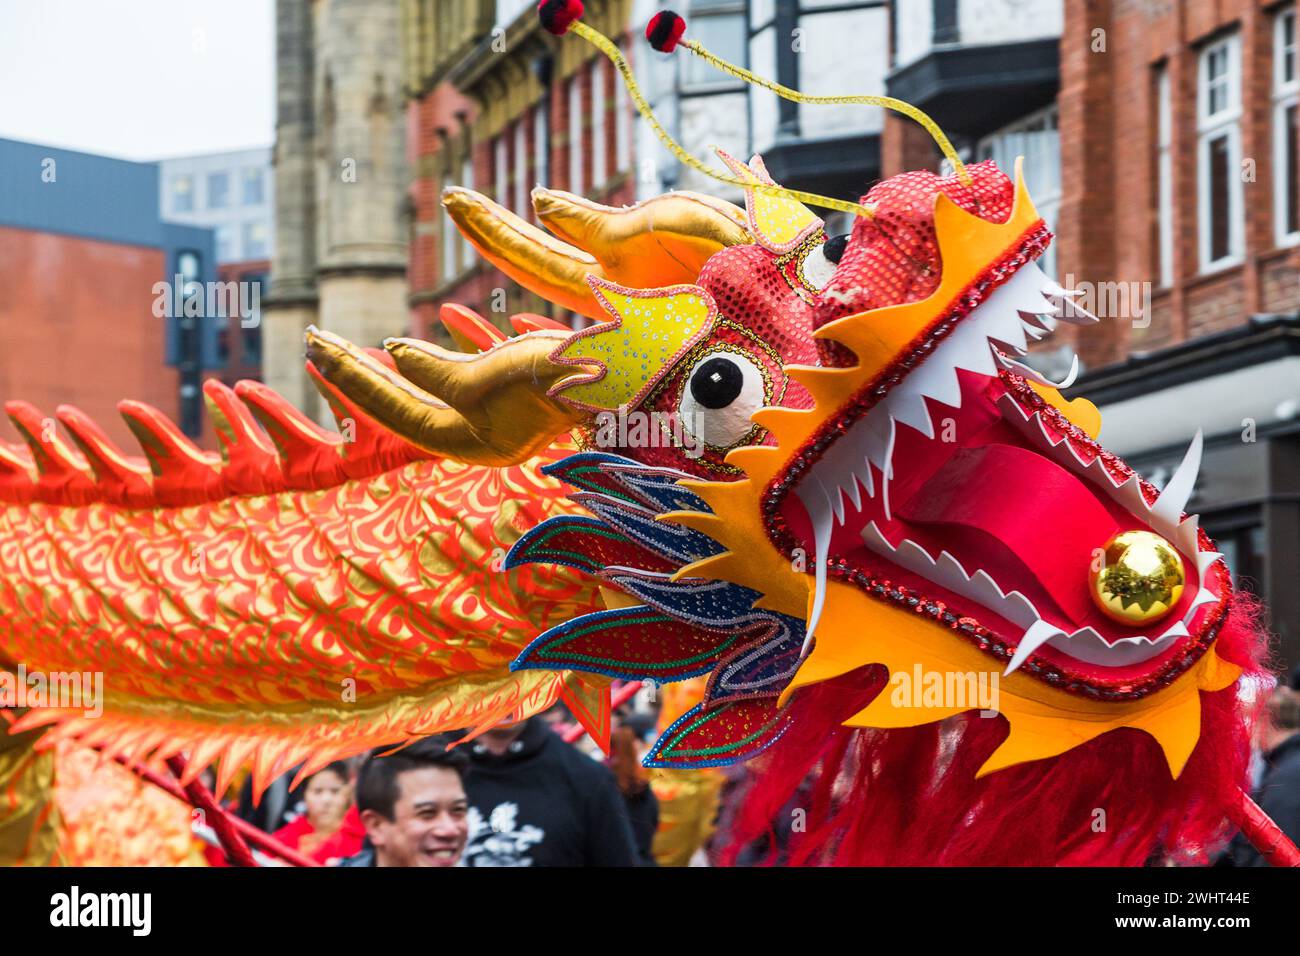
(909,797)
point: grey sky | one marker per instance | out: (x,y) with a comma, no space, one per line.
(138,79)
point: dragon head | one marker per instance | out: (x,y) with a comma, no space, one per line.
(957,513)
(931,504)
(699,307)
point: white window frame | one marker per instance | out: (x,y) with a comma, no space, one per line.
(500,169)
(1286,95)
(622,128)
(1209,128)
(1000,147)
(599,140)
(1164,178)
(522,208)
(542,142)
(450,238)
(576,184)
(464,251)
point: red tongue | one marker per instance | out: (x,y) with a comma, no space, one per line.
(1037,516)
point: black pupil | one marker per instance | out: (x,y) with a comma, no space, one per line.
(834,247)
(717,382)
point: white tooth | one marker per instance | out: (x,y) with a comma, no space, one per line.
(1186,537)
(888,471)
(817,502)
(866,477)
(914,557)
(1039,633)
(949,573)
(1035,322)
(1052,440)
(1173,500)
(907,405)
(1007,404)
(1019,610)
(1036,376)
(836,496)
(1074,314)
(978,359)
(1087,645)
(852,491)
(1023,292)
(985,590)
(1203,596)
(1007,330)
(1129,494)
(945,388)
(875,540)
(876,433)
(1078,456)
(1073,374)
(1177,629)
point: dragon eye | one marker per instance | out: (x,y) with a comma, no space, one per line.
(717,382)
(723,390)
(819,264)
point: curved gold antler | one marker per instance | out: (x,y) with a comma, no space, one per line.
(486,408)
(666,239)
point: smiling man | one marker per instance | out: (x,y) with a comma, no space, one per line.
(413,806)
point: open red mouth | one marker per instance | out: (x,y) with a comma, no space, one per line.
(958,492)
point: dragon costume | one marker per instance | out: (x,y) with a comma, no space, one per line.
(814,470)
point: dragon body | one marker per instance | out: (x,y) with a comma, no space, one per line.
(788,521)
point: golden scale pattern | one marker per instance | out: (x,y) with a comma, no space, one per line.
(295,626)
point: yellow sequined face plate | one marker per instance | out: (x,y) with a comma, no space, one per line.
(651,330)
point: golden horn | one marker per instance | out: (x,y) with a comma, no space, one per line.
(660,241)
(530,256)
(488,408)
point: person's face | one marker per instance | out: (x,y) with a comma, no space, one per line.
(327,797)
(430,821)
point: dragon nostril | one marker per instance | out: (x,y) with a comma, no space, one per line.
(834,248)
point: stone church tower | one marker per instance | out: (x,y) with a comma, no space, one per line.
(340,244)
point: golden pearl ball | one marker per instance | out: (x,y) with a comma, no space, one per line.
(1137,579)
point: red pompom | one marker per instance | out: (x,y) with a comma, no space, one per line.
(558,15)
(664,30)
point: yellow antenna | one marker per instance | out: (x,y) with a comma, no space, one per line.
(562,16)
(664,32)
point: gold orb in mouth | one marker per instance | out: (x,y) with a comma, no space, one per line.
(1137,578)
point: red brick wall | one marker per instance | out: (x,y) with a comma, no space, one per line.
(77,327)
(478,288)
(1108,108)
(1106,230)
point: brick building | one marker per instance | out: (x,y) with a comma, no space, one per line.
(82,248)
(499,105)
(1161,144)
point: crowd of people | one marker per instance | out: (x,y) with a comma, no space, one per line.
(522,795)
(516,795)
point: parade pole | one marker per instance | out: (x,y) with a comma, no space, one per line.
(235,827)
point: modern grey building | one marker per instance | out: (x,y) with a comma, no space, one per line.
(232,192)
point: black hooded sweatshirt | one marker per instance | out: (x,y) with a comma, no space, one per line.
(542,803)
(1278,796)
